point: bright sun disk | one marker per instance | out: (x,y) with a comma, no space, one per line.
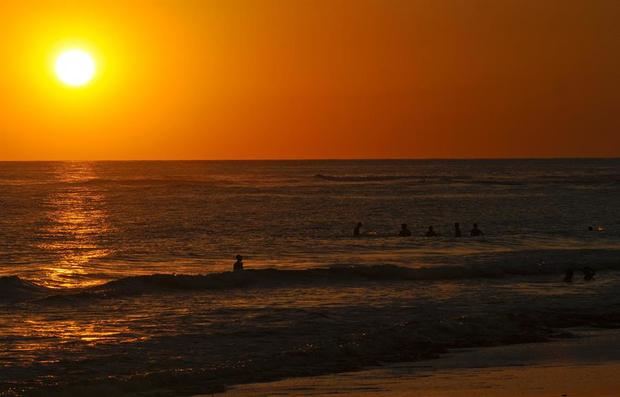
(75,67)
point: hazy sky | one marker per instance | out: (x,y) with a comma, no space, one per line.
(228,79)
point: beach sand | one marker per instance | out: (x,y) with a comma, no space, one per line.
(586,366)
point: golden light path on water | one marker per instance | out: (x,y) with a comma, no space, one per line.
(75,219)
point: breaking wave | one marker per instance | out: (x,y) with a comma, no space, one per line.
(14,288)
(17,289)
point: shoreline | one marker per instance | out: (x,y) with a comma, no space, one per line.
(585,365)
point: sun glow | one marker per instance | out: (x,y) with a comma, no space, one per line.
(75,68)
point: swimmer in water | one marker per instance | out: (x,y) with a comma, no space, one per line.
(238,266)
(588,273)
(356,231)
(568,275)
(404,231)
(475,232)
(431,232)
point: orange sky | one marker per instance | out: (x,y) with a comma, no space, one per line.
(207,79)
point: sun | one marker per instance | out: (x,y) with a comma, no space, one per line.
(75,67)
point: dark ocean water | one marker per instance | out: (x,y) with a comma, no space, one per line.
(115,273)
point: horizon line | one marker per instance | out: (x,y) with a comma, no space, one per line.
(324,159)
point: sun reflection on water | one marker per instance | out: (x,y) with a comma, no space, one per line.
(75,224)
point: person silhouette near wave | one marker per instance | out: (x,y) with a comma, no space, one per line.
(457,230)
(404,231)
(588,273)
(431,232)
(568,275)
(238,266)
(475,231)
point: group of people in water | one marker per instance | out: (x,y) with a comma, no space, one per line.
(405,232)
(588,274)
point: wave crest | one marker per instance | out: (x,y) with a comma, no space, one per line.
(14,289)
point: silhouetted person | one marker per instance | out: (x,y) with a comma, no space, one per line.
(588,273)
(238,266)
(431,232)
(475,231)
(356,231)
(457,230)
(568,275)
(404,231)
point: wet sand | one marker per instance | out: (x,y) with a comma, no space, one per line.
(586,366)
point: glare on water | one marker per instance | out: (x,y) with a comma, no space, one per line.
(76,217)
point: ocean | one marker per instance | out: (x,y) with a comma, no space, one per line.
(115,277)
